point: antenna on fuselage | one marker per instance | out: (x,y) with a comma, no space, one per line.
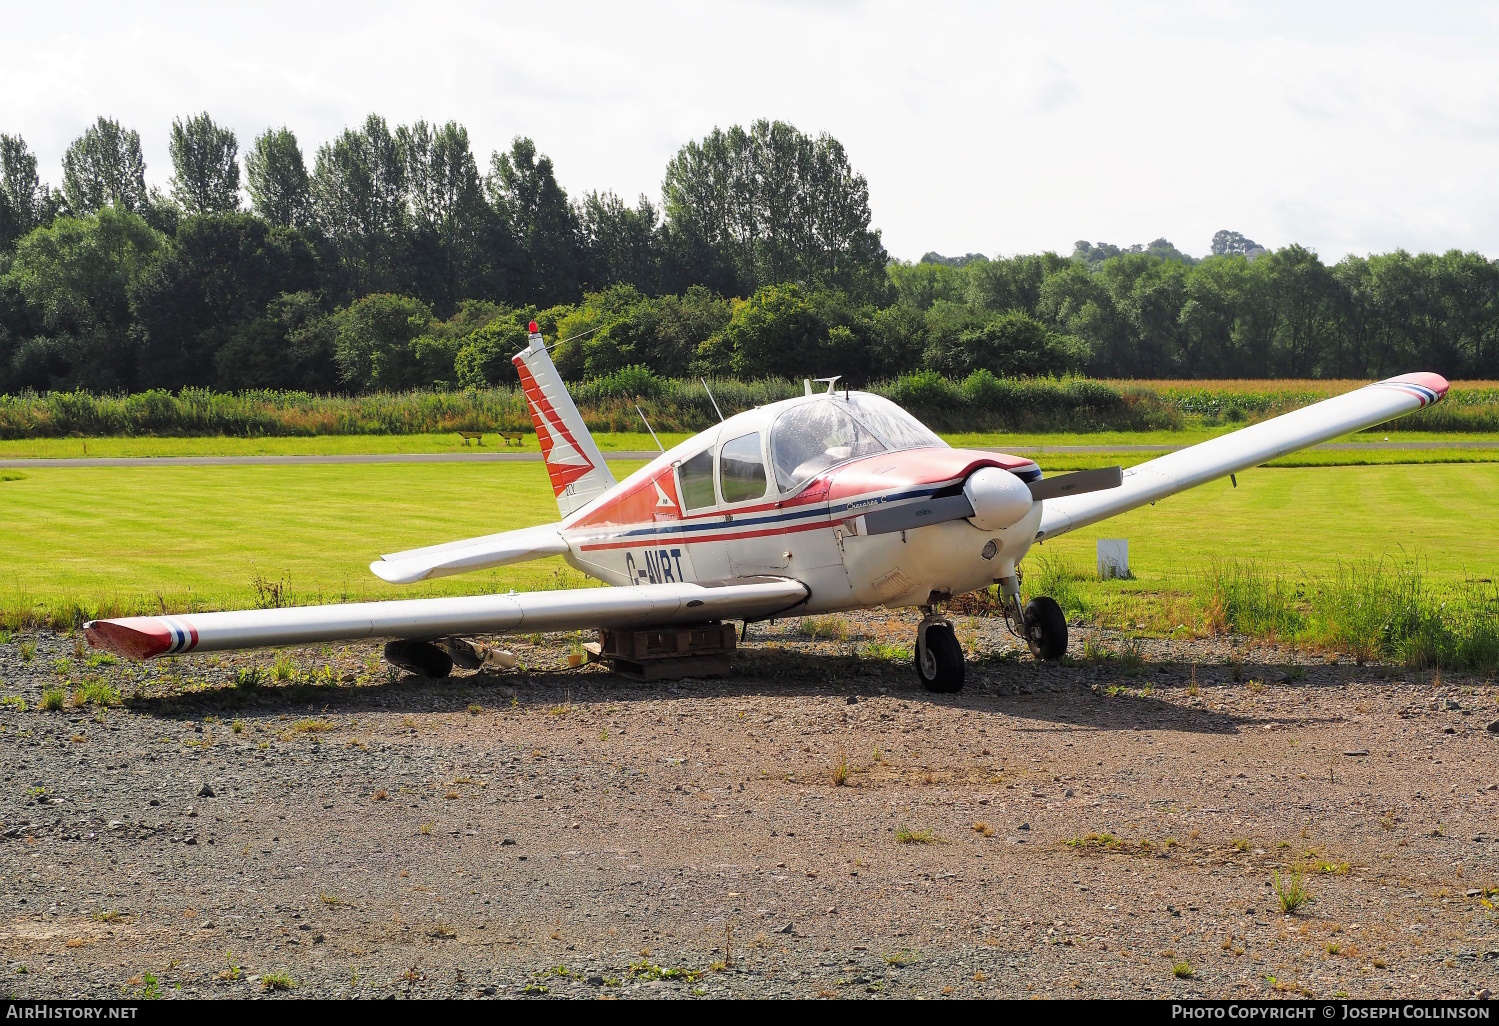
(649,428)
(711,399)
(831,382)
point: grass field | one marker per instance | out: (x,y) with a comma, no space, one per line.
(315,445)
(199,537)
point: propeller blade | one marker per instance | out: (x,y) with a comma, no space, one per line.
(1077,483)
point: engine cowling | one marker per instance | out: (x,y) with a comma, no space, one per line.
(999,498)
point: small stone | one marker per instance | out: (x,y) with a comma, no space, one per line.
(1493,728)
(154,801)
(592,981)
(189,840)
(1067,793)
(1023,826)
(853,699)
(205,791)
(788,928)
(508,840)
(1449,730)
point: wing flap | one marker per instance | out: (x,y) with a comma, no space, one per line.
(1228,454)
(459,557)
(145,637)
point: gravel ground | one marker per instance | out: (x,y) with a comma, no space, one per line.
(1112,827)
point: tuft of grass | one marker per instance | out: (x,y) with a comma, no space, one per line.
(1243,597)
(983,829)
(96,692)
(311,726)
(1055,576)
(840,771)
(905,835)
(831,627)
(277,981)
(247,677)
(425,829)
(28,651)
(901,959)
(53,699)
(283,670)
(1183,970)
(881,650)
(1291,891)
(15,702)
(330,899)
(238,726)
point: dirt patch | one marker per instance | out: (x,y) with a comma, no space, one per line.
(311,824)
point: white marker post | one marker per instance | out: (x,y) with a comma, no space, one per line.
(1113,558)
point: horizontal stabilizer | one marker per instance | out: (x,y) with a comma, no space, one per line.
(1239,450)
(470,554)
(645,605)
(1077,483)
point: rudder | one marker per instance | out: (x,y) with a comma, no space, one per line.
(577,468)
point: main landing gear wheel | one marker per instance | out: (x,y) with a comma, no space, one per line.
(420,657)
(939,659)
(1045,628)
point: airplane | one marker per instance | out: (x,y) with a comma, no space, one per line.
(831,501)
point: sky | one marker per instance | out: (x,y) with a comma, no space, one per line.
(992,127)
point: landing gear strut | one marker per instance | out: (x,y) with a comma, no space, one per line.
(1041,623)
(939,656)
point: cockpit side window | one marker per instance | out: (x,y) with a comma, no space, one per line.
(696,476)
(741,469)
(809,438)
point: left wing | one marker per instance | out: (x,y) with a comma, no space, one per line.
(1248,447)
(645,605)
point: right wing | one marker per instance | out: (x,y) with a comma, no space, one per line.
(645,605)
(1240,450)
(460,557)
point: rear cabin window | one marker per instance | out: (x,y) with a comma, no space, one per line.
(697,481)
(741,469)
(809,438)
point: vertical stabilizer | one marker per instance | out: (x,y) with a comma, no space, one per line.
(577,469)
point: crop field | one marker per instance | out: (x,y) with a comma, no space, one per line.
(180,537)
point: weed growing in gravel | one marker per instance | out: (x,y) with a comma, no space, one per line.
(832,627)
(1183,970)
(15,702)
(905,835)
(277,981)
(983,829)
(247,677)
(475,709)
(97,659)
(382,795)
(53,699)
(28,651)
(901,959)
(310,726)
(330,899)
(1291,891)
(880,650)
(283,670)
(425,829)
(232,973)
(840,771)
(1240,844)
(95,692)
(879,756)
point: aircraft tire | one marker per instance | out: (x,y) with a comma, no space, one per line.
(420,657)
(1045,628)
(944,670)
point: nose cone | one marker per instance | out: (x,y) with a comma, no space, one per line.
(999,498)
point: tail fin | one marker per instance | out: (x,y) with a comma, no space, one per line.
(578,470)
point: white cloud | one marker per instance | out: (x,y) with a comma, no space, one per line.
(990,127)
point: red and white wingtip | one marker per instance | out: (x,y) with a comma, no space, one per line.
(142,637)
(1428,387)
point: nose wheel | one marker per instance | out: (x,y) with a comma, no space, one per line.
(939,656)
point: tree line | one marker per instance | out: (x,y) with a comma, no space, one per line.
(394,263)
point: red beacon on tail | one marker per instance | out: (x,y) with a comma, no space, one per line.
(822,503)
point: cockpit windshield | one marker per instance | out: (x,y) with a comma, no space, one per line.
(809,438)
(898,428)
